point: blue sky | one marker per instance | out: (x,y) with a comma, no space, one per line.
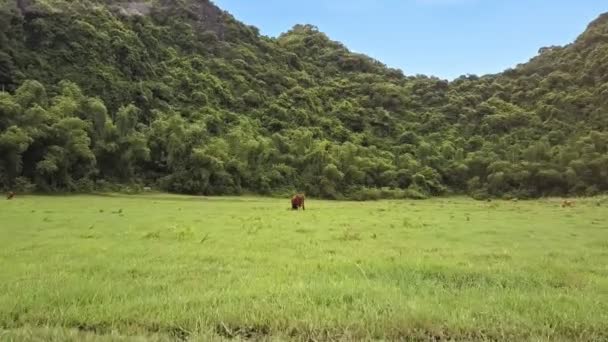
(445,38)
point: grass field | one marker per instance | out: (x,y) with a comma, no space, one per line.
(163,267)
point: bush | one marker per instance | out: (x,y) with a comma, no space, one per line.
(592,191)
(372,194)
(286,192)
(132,189)
(480,194)
(524,194)
(366,194)
(83,185)
(105,186)
(23,185)
(414,192)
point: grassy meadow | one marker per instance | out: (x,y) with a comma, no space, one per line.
(163,268)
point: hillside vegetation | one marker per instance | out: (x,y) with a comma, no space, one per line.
(181,96)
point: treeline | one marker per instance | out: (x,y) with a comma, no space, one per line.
(182,97)
(71,142)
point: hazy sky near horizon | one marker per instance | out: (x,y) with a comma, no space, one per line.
(445,38)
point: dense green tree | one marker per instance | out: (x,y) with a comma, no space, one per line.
(180,95)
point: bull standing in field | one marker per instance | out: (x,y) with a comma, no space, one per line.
(297,201)
(567,203)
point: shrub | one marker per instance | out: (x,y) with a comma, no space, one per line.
(366,194)
(23,185)
(83,185)
(105,186)
(415,193)
(373,194)
(132,189)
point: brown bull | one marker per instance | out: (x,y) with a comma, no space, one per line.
(567,203)
(297,202)
(10,195)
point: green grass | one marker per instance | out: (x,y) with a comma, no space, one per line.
(162,267)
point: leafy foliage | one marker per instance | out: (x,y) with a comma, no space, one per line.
(180,95)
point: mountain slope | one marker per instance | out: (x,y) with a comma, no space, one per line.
(181,95)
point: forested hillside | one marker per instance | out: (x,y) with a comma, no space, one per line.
(179,95)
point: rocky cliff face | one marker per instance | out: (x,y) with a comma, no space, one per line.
(135,8)
(204,13)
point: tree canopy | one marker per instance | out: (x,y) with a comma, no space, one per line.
(180,95)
